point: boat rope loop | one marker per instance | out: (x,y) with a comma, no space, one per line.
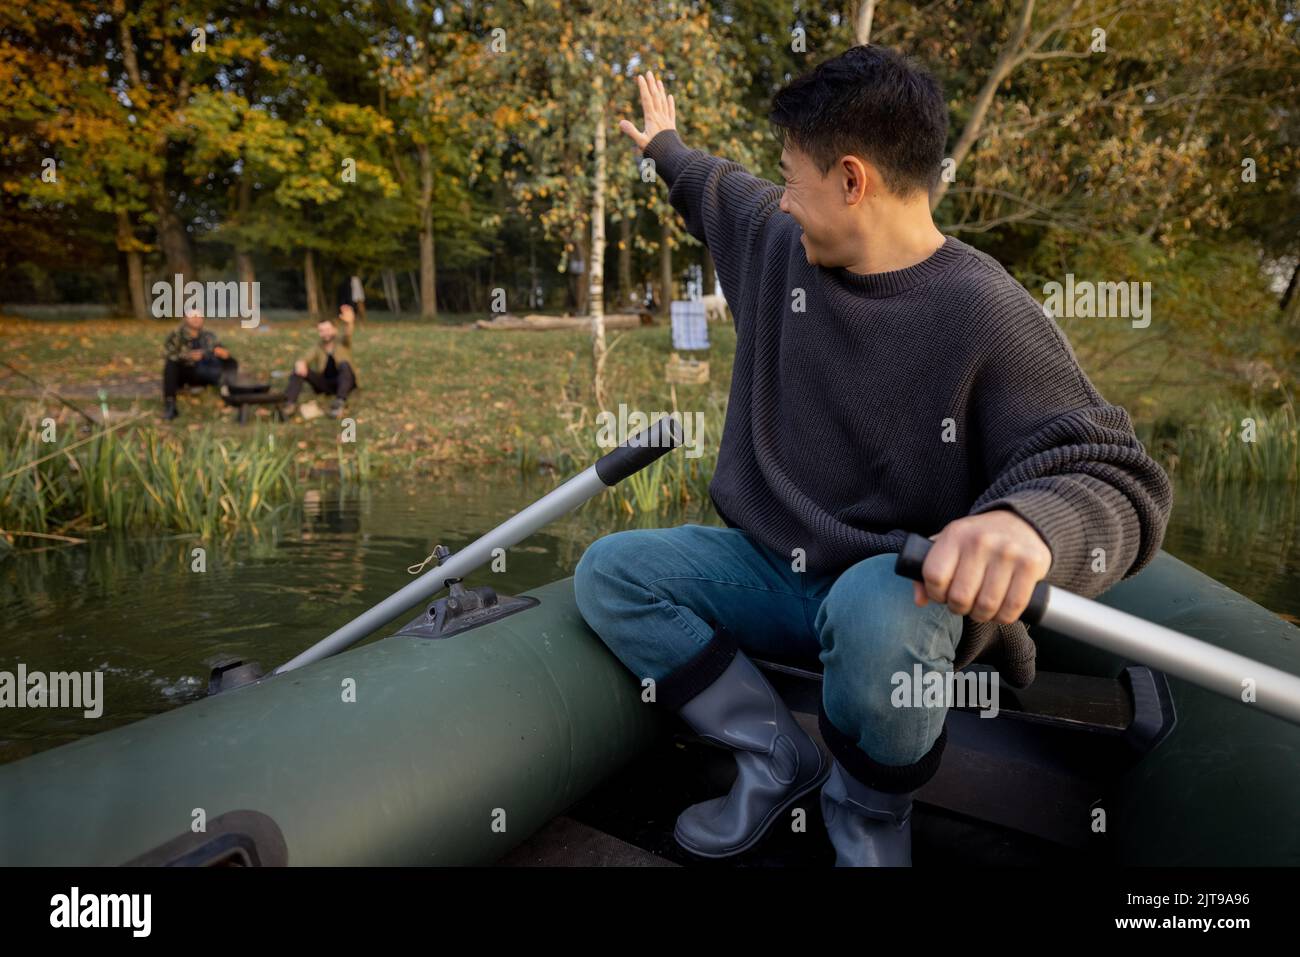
(417,569)
(439,555)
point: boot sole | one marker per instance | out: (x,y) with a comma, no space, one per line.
(823,772)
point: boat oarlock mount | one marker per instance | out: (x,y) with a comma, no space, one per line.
(636,453)
(462,608)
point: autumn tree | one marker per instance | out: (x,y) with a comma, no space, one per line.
(427,57)
(566,71)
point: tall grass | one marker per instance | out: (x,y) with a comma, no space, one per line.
(668,484)
(139,478)
(1216,448)
(354,469)
(1231,444)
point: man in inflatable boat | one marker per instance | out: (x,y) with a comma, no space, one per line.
(887,379)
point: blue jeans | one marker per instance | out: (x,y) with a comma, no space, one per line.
(656,597)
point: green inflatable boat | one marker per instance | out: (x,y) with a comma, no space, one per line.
(495,729)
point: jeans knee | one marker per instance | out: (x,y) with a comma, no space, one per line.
(604,566)
(869,616)
(871,630)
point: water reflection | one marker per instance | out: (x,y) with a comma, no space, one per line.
(133,607)
(1246,536)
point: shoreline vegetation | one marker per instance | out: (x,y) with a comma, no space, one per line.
(442,398)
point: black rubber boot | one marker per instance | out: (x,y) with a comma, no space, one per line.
(169,408)
(868,828)
(777,762)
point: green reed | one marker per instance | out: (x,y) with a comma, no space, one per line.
(1230,444)
(138,477)
(669,483)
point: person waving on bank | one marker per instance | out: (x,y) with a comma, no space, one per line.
(328,365)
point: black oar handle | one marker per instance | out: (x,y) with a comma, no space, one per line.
(640,450)
(912,558)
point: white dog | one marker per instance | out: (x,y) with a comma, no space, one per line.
(715,309)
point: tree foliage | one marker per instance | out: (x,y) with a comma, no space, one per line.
(457,141)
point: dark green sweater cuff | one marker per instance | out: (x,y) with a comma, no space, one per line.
(669,153)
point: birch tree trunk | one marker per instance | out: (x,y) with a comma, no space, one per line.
(862,23)
(596,264)
(415,287)
(391,292)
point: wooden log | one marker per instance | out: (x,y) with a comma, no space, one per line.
(537,323)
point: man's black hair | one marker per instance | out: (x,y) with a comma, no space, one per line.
(870,102)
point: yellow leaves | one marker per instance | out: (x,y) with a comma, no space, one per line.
(507,115)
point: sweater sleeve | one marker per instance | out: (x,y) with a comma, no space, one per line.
(724,206)
(1066,461)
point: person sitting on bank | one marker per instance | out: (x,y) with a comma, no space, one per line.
(327,366)
(195,356)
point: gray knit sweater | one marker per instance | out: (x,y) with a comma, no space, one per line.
(897,402)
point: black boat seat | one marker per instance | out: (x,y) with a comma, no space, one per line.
(1067,699)
(1045,761)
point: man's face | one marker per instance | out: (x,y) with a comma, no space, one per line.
(327,330)
(194,322)
(819,204)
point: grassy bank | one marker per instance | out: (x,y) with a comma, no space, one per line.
(435,399)
(442,398)
(432,397)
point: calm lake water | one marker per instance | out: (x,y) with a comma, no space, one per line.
(132,607)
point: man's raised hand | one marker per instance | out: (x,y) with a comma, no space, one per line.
(657,107)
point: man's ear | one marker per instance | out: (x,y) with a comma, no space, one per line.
(859,179)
